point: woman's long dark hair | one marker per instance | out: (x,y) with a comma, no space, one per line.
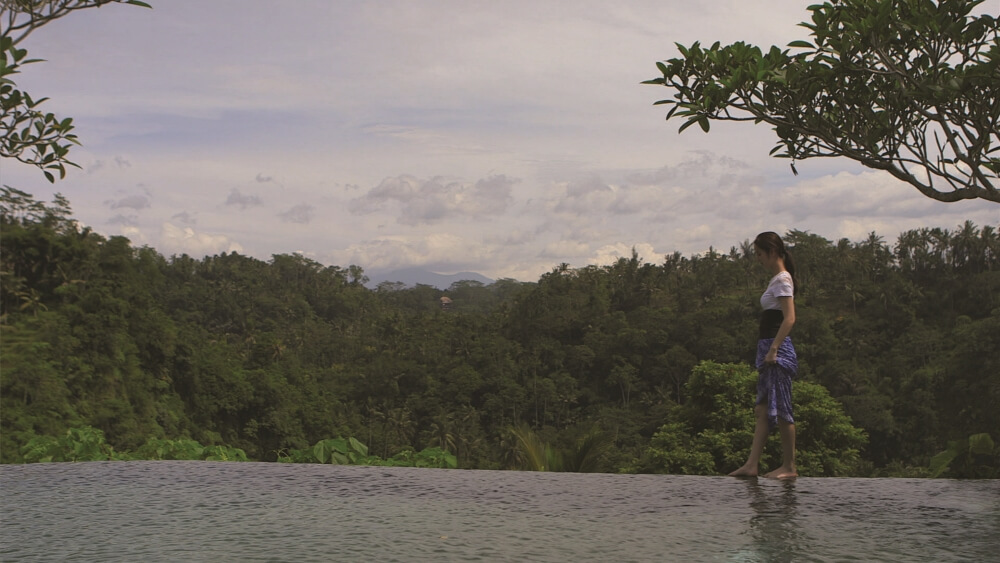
(771,243)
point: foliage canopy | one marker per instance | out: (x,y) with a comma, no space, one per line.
(711,433)
(911,87)
(625,367)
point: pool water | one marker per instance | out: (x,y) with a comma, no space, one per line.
(218,511)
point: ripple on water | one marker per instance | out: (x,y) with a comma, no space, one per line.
(213,511)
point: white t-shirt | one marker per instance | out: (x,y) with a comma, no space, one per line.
(780,286)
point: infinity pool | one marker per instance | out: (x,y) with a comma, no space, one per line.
(217,511)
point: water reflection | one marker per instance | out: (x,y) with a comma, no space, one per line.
(775,527)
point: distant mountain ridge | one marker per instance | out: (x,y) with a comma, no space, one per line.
(411,277)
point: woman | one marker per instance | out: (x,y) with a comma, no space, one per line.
(776,360)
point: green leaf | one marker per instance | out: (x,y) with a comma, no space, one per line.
(321,451)
(802,44)
(687,124)
(337,445)
(357,446)
(940,462)
(981,444)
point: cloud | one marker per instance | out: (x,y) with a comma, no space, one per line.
(118,162)
(610,253)
(136,202)
(399,188)
(695,165)
(695,235)
(515,237)
(855,230)
(565,250)
(489,196)
(393,252)
(184,217)
(839,195)
(134,235)
(585,197)
(243,201)
(125,220)
(301,213)
(853,204)
(595,197)
(432,201)
(487,148)
(633,200)
(703,180)
(185,240)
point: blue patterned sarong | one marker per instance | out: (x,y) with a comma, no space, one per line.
(774,381)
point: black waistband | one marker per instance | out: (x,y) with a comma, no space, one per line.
(770,322)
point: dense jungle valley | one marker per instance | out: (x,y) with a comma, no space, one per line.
(111,351)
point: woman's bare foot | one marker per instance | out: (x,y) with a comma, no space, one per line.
(744,472)
(782,473)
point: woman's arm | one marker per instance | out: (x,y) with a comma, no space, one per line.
(788,310)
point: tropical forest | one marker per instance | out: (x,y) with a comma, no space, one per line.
(116,352)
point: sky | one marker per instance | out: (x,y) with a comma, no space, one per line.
(503,138)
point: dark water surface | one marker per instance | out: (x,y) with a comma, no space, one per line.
(216,511)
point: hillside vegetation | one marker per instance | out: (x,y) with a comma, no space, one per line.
(633,366)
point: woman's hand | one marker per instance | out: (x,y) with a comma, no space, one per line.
(771,357)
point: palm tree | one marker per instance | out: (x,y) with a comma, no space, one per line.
(966,248)
(582,457)
(537,455)
(401,424)
(441,433)
(585,457)
(32,300)
(512,455)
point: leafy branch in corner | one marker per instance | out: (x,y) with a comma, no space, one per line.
(905,86)
(27,133)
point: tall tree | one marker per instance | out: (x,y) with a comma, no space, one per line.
(911,87)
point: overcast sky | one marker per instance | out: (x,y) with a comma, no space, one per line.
(500,137)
